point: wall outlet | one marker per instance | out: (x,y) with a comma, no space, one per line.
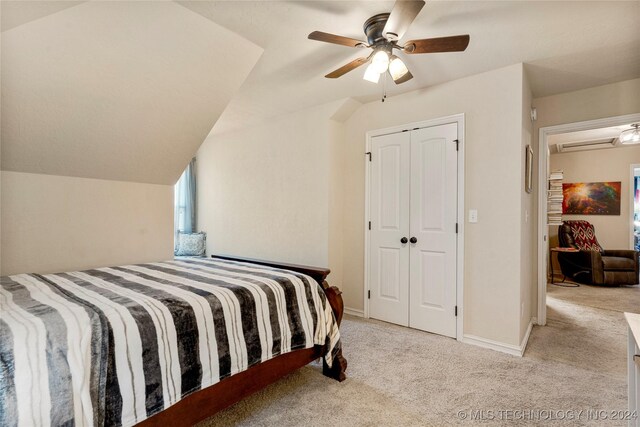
(473,215)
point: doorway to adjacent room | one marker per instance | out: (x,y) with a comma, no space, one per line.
(591,168)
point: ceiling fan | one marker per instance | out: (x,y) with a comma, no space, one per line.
(384,32)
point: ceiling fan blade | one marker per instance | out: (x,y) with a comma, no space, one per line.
(439,44)
(332,38)
(402,15)
(346,68)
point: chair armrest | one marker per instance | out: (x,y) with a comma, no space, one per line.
(597,267)
(622,253)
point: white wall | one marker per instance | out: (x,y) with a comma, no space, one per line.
(120,92)
(528,242)
(55,223)
(492,104)
(264,191)
(336,201)
(613,231)
(610,100)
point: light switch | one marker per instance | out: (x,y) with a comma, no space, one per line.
(473,215)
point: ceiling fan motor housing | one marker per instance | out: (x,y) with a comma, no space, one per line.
(374,26)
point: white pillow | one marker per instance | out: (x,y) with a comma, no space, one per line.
(191,244)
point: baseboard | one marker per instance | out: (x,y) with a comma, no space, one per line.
(514,350)
(525,339)
(354,312)
(511,349)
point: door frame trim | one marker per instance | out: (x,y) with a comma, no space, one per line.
(459,120)
(543,172)
(633,166)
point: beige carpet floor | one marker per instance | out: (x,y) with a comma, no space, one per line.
(403,377)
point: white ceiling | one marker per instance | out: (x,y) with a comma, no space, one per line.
(600,134)
(111,90)
(587,135)
(18,12)
(566,46)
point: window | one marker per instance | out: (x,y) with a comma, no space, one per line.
(185,201)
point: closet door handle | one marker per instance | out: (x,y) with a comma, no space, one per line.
(404,240)
(413,240)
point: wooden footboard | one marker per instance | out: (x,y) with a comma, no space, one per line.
(334,296)
(205,403)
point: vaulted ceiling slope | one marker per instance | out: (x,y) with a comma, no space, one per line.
(566,45)
(114,90)
(85,82)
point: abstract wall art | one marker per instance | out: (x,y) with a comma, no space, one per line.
(591,198)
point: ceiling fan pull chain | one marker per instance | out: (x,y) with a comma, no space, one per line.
(384,87)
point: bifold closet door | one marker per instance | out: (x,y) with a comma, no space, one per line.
(433,205)
(389,215)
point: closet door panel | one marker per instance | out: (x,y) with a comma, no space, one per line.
(389,208)
(433,206)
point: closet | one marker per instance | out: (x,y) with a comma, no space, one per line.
(412,229)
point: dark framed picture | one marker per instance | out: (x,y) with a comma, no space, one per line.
(528,179)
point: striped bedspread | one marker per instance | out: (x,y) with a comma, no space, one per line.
(113,346)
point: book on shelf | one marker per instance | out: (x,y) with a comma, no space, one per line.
(555,198)
(557,174)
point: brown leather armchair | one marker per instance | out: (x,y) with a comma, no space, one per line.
(594,265)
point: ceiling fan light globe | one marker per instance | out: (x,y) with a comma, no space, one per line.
(630,136)
(371,75)
(397,68)
(380,61)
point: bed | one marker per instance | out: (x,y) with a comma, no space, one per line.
(167,343)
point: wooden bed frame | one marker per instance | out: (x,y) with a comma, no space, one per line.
(205,403)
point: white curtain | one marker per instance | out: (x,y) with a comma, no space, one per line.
(185,201)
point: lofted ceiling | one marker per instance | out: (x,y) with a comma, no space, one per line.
(114,90)
(565,46)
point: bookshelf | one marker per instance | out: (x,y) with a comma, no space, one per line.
(554,198)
